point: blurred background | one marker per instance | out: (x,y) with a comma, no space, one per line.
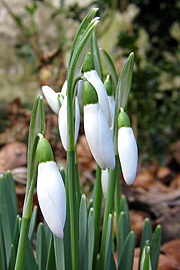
(35,42)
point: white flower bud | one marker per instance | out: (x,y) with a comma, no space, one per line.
(62,120)
(104,181)
(98,136)
(93,77)
(51,97)
(52,196)
(128,153)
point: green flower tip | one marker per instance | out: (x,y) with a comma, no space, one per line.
(89,94)
(44,150)
(108,85)
(88,63)
(123,119)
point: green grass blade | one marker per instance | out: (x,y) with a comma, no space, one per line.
(12,259)
(12,191)
(146,235)
(90,238)
(59,253)
(41,247)
(155,247)
(83,235)
(126,261)
(121,235)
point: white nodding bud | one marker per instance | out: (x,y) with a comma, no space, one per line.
(80,88)
(112,109)
(52,196)
(62,121)
(51,97)
(128,153)
(93,77)
(64,89)
(104,181)
(98,136)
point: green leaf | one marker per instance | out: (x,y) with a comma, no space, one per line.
(146,235)
(127,257)
(29,262)
(32,223)
(12,191)
(59,253)
(37,125)
(121,234)
(83,235)
(12,259)
(111,68)
(8,211)
(125,81)
(96,56)
(124,207)
(41,247)
(155,247)
(146,265)
(90,238)
(108,253)
(76,63)
(81,29)
(51,264)
(3,260)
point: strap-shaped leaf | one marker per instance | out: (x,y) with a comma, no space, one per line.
(124,207)
(121,235)
(3,260)
(81,29)
(125,81)
(41,247)
(146,264)
(12,258)
(29,262)
(155,247)
(83,234)
(96,56)
(51,263)
(12,191)
(111,68)
(108,253)
(32,223)
(59,253)
(127,257)
(37,125)
(146,235)
(90,238)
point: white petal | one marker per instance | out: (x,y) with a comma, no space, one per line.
(128,153)
(112,110)
(80,88)
(62,119)
(51,97)
(104,181)
(98,136)
(52,196)
(64,89)
(93,77)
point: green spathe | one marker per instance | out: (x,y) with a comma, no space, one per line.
(44,150)
(123,119)
(89,93)
(88,63)
(108,85)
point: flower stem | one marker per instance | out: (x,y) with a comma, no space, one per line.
(73,209)
(22,243)
(97,219)
(108,209)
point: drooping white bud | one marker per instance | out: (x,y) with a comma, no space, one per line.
(52,196)
(51,97)
(98,136)
(62,120)
(128,153)
(104,181)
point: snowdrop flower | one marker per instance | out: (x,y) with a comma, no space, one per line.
(50,189)
(52,98)
(92,76)
(62,121)
(96,128)
(104,181)
(127,148)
